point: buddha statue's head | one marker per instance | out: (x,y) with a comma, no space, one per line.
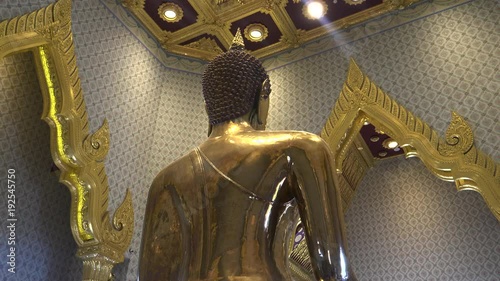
(232,83)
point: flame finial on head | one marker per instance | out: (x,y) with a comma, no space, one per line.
(237,43)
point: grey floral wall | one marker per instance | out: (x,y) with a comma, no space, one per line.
(399,228)
(406,224)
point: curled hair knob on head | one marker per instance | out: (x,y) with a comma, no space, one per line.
(231,83)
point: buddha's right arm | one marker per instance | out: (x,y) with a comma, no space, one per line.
(320,208)
(160,258)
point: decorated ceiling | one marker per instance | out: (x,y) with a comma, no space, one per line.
(204,28)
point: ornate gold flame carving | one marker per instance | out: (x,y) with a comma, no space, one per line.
(97,144)
(453,159)
(134,4)
(459,137)
(79,154)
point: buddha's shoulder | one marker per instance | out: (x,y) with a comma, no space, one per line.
(295,137)
(301,135)
(283,139)
(283,134)
(178,170)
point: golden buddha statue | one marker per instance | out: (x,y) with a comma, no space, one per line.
(213,213)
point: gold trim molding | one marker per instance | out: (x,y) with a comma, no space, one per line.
(79,154)
(453,159)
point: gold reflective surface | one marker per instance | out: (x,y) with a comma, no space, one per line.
(213,214)
(228,209)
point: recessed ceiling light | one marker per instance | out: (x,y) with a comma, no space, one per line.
(170,12)
(315,9)
(374,139)
(390,143)
(256,32)
(382,153)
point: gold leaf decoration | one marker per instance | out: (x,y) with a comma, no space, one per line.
(459,138)
(96,145)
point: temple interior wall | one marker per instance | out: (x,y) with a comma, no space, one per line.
(404,224)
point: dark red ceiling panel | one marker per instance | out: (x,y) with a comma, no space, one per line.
(374,141)
(151,7)
(228,15)
(274,34)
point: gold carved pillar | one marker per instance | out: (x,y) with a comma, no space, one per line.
(79,154)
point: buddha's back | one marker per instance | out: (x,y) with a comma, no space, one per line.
(212,214)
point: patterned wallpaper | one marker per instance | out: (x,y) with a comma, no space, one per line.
(406,224)
(446,61)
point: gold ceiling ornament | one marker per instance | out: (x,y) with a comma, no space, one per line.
(453,159)
(256,32)
(206,44)
(78,153)
(354,2)
(170,12)
(220,2)
(238,42)
(134,4)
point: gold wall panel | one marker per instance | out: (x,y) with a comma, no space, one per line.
(79,154)
(453,159)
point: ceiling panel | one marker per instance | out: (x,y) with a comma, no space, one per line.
(273,36)
(206,27)
(189,16)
